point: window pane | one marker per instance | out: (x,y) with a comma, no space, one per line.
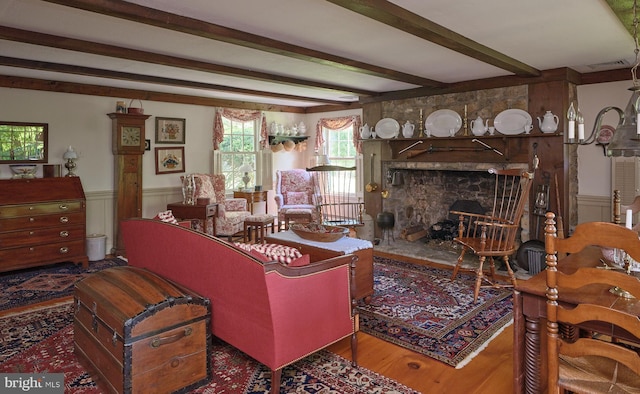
(238,148)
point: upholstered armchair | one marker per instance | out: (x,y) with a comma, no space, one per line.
(296,189)
(231,211)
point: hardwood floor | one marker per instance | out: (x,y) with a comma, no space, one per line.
(490,372)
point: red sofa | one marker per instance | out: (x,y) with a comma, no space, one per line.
(275,313)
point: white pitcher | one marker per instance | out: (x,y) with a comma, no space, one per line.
(365,132)
(407,129)
(479,128)
(549,122)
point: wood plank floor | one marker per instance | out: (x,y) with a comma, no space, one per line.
(490,372)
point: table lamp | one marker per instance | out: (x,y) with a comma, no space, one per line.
(246,168)
(70,156)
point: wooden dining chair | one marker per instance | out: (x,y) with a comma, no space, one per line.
(587,364)
(493,235)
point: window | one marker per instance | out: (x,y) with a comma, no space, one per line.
(341,152)
(240,146)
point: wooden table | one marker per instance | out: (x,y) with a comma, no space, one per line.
(199,212)
(529,314)
(323,250)
(253,197)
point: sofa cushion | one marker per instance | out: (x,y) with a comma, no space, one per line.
(298,198)
(274,252)
(167,217)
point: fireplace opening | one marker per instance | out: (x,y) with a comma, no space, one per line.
(447,229)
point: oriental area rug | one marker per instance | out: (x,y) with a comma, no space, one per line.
(28,286)
(41,340)
(420,308)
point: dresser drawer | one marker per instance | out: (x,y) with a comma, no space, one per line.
(42,221)
(13,239)
(54,252)
(11,211)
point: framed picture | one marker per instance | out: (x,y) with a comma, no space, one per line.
(147,144)
(170,160)
(170,130)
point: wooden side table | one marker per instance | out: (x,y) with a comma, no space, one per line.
(253,197)
(200,212)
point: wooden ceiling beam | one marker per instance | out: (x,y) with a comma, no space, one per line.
(183,24)
(399,18)
(71,44)
(102,73)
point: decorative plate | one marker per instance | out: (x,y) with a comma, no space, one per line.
(512,121)
(440,122)
(605,134)
(387,128)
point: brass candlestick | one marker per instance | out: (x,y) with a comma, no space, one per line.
(464,122)
(421,135)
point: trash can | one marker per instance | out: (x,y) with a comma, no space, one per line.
(96,246)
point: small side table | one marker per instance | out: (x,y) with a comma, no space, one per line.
(253,197)
(259,223)
(199,212)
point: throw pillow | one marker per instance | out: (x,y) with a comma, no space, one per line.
(298,198)
(167,217)
(273,252)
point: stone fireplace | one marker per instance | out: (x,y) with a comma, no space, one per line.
(430,189)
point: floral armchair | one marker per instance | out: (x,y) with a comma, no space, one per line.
(296,189)
(231,211)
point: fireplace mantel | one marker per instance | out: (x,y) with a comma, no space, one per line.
(504,149)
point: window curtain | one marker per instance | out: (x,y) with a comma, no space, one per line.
(339,124)
(239,115)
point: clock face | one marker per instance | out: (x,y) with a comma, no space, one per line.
(130,136)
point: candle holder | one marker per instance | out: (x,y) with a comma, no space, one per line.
(465,122)
(421,123)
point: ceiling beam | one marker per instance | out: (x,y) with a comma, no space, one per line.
(13,82)
(102,73)
(183,24)
(399,18)
(71,44)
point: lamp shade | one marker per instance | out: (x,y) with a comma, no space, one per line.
(70,153)
(625,140)
(245,168)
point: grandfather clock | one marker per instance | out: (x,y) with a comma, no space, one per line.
(128,147)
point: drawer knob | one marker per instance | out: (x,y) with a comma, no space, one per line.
(63,207)
(64,250)
(32,220)
(31,232)
(64,234)
(64,219)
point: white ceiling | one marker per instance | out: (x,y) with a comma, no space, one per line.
(543,34)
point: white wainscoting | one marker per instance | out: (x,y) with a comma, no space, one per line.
(594,209)
(100,209)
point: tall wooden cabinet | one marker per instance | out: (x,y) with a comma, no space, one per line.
(42,221)
(128,134)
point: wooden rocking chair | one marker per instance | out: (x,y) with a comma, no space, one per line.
(337,202)
(493,235)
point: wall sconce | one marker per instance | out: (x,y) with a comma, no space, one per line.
(70,156)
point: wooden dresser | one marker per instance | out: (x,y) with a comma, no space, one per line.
(42,221)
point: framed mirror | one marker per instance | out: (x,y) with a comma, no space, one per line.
(23,142)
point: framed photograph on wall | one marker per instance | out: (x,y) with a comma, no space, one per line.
(170,160)
(170,130)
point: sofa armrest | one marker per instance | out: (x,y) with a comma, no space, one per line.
(318,266)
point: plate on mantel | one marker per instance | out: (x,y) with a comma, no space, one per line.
(440,122)
(512,121)
(387,128)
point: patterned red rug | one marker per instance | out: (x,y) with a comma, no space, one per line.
(42,341)
(28,286)
(420,308)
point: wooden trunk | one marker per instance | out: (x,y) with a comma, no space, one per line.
(139,333)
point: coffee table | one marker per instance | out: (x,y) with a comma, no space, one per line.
(323,250)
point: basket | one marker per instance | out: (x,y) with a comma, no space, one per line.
(135,110)
(314,232)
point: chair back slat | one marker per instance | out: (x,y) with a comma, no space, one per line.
(616,362)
